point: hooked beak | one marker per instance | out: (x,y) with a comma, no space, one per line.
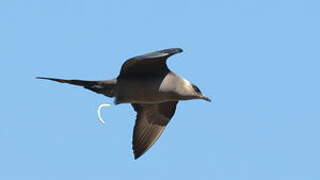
(205,98)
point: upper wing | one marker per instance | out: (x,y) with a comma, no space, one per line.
(148,64)
(150,123)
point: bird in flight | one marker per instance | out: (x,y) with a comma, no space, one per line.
(153,90)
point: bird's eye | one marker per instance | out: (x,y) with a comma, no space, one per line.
(196,88)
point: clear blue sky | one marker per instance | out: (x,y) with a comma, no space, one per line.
(258,60)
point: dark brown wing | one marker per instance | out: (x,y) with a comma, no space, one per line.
(148,64)
(150,123)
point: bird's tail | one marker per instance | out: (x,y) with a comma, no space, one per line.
(102,87)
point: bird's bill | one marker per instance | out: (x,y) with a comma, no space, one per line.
(206,98)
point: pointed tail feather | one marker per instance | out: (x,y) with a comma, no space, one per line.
(74,82)
(102,87)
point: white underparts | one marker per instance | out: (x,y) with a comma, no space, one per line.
(99,112)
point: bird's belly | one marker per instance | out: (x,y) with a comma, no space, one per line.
(140,91)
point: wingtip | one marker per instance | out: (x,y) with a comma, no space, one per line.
(173,51)
(179,50)
(137,155)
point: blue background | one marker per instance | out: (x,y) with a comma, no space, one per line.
(258,60)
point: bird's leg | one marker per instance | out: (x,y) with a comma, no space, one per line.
(99,111)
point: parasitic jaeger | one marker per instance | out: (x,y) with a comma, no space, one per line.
(153,90)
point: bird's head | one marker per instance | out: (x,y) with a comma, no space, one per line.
(198,94)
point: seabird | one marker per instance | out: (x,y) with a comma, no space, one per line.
(153,90)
